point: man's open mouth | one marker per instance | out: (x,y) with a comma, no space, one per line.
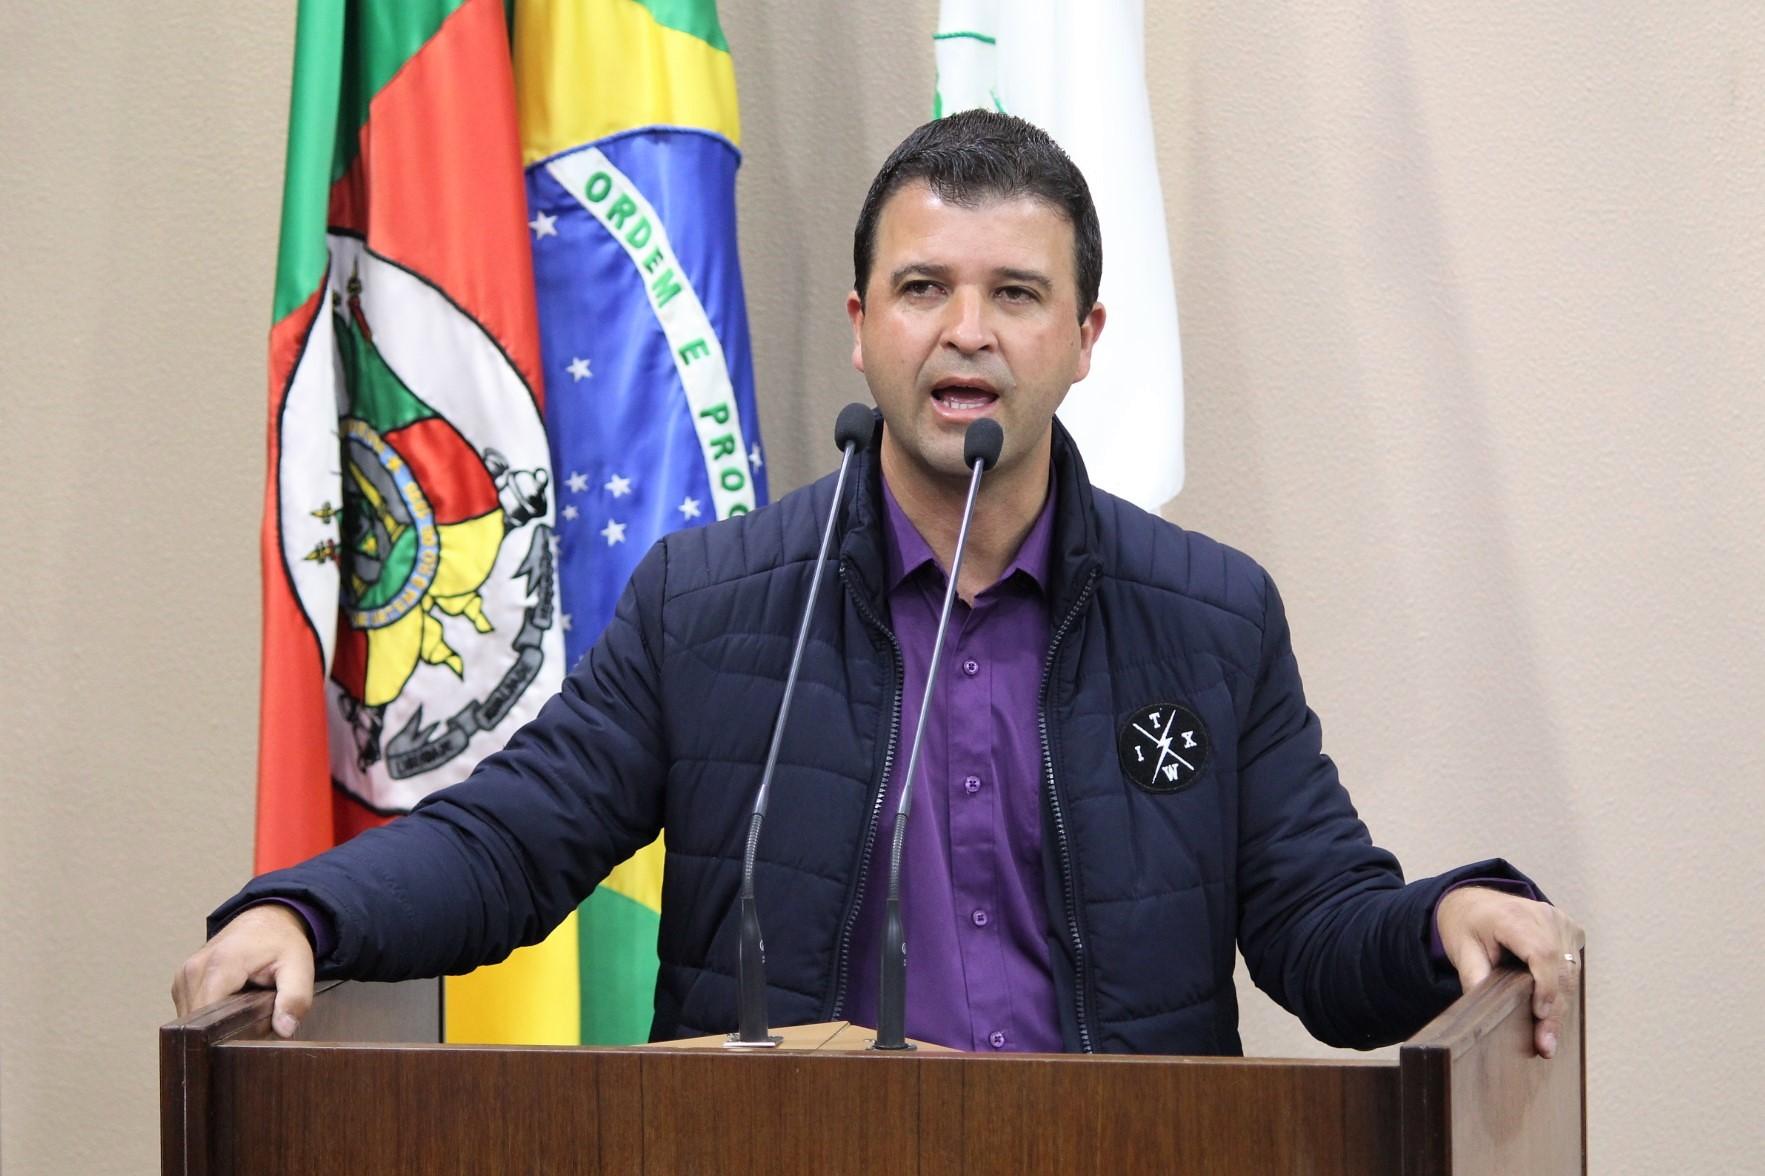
(960,397)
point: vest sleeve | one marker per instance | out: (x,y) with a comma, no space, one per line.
(1326,923)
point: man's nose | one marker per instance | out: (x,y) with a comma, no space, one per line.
(968,328)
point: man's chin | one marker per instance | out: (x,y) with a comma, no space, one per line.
(935,458)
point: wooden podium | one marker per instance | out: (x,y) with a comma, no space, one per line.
(367,1088)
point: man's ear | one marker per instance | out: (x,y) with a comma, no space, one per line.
(1089,328)
(855,312)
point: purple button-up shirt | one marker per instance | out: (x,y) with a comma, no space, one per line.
(971,893)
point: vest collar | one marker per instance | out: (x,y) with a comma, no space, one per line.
(1073,553)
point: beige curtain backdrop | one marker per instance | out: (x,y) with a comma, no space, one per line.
(1472,300)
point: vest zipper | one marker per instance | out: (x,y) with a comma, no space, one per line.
(1068,883)
(844,954)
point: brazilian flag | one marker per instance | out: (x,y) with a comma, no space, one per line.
(631,140)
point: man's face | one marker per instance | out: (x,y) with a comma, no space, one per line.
(970,312)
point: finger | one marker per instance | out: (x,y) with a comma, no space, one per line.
(1545,985)
(1550,1009)
(1568,984)
(1470,957)
(1568,969)
(186,980)
(1546,963)
(1473,967)
(219,979)
(178,1001)
(1548,967)
(1545,1036)
(1571,972)
(294,993)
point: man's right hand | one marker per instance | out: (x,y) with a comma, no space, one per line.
(263,947)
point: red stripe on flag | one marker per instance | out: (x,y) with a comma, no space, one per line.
(294,806)
(350,816)
(437,187)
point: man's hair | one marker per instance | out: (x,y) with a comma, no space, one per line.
(976,156)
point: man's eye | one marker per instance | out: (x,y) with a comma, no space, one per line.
(1017,294)
(918,287)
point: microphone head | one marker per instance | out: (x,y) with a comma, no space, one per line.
(854,427)
(982,443)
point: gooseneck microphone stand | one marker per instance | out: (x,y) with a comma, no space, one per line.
(980,451)
(852,432)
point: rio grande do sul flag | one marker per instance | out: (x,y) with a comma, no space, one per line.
(410,620)
(630,135)
(1078,71)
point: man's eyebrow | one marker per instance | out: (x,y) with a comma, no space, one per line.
(1027,277)
(929,268)
(1003,273)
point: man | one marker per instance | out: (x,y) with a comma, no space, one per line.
(1122,780)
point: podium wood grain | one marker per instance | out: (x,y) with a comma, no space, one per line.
(1478,1099)
(1466,1097)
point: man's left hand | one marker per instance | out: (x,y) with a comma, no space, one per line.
(1477,923)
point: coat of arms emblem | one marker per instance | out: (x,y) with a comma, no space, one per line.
(434,540)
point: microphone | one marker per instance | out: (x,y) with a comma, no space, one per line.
(980,452)
(851,432)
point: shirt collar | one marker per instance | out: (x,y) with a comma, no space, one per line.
(906,550)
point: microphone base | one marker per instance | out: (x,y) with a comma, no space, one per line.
(903,1047)
(734,1041)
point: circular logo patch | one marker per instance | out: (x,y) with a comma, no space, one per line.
(1163,747)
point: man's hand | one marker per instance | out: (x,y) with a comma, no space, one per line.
(264,947)
(1477,923)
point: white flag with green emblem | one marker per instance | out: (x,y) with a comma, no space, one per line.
(1078,72)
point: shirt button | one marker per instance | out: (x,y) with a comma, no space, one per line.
(972,784)
(980,918)
(971,667)
(996,1039)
